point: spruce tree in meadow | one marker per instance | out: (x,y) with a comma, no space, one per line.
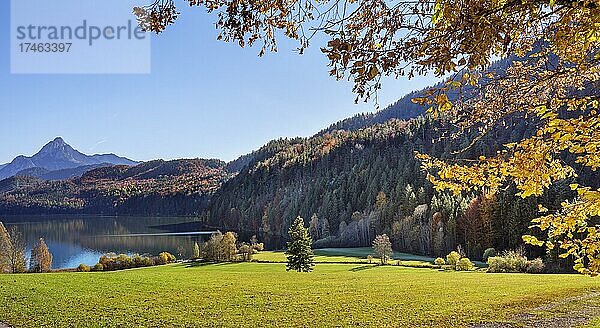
(299,252)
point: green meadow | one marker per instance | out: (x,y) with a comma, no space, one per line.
(259,294)
(351,255)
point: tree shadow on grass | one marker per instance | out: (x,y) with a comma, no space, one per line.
(362,267)
(195,264)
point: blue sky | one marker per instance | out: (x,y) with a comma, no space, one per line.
(204,98)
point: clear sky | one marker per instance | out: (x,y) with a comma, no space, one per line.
(204,98)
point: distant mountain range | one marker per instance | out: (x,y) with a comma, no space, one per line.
(177,187)
(58,161)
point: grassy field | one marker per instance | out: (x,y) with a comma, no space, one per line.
(352,255)
(363,252)
(344,255)
(279,257)
(259,294)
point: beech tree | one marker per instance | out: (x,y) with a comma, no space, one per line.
(299,252)
(211,249)
(474,226)
(220,247)
(41,258)
(228,246)
(554,79)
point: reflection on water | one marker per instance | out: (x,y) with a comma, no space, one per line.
(82,239)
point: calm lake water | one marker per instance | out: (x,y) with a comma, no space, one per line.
(83,239)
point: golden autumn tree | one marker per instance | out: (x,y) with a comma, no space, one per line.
(41,258)
(553,81)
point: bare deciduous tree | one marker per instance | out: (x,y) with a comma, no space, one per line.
(4,250)
(16,251)
(382,248)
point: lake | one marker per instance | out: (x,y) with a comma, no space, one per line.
(73,240)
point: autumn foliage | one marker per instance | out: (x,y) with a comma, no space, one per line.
(153,188)
(41,258)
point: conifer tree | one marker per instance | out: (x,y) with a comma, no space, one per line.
(299,252)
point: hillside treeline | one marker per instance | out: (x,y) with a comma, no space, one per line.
(353,185)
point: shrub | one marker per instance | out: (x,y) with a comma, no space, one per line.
(416,264)
(182,251)
(439,261)
(170,257)
(515,260)
(98,267)
(164,258)
(83,268)
(259,247)
(123,262)
(510,261)
(535,266)
(489,252)
(111,261)
(246,252)
(137,260)
(464,264)
(452,258)
(160,260)
(107,260)
(148,261)
(496,264)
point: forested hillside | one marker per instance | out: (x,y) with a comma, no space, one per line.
(352,185)
(179,187)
